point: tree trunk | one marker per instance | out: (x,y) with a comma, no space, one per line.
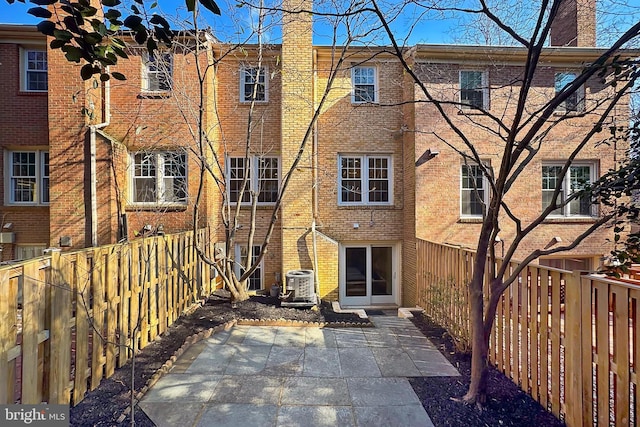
(477,392)
(238,289)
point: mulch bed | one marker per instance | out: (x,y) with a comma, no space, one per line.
(508,406)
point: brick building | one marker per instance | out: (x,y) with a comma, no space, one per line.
(125,160)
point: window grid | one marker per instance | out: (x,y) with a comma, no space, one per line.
(577,178)
(249,76)
(28,177)
(371,173)
(36,71)
(268,179)
(364,84)
(254,281)
(160,177)
(265,183)
(472,89)
(574,102)
(158,72)
(473,192)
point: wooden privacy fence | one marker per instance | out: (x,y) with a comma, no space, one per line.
(570,341)
(68,320)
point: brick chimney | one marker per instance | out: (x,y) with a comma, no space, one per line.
(575,24)
(296,113)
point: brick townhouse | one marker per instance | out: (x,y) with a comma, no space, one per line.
(124,158)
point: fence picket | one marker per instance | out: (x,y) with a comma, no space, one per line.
(621,354)
(32,292)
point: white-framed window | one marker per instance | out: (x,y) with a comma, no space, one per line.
(263,179)
(364,80)
(253,84)
(575,101)
(159,177)
(474,191)
(157,72)
(474,90)
(578,176)
(35,70)
(27,175)
(255,280)
(365,180)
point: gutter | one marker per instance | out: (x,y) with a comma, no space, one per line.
(92,161)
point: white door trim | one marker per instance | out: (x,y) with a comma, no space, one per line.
(369,299)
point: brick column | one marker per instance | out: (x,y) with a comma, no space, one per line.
(296,113)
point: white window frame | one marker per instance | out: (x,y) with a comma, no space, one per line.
(159,159)
(485,189)
(565,211)
(26,70)
(40,178)
(258,273)
(161,75)
(579,93)
(484,89)
(374,83)
(364,180)
(263,73)
(254,180)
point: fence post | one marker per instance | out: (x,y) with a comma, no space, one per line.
(573,350)
(60,333)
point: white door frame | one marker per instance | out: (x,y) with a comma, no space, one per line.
(369,299)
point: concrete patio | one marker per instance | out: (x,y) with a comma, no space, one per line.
(306,376)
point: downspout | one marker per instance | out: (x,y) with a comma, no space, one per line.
(92,160)
(315,197)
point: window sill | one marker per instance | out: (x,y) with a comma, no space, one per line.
(33,92)
(472,111)
(248,103)
(562,113)
(570,220)
(470,220)
(262,206)
(155,95)
(164,207)
(365,104)
(366,206)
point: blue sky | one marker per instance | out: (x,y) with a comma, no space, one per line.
(229,26)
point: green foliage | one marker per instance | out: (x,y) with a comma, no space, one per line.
(84,34)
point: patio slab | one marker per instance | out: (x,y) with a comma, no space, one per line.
(309,376)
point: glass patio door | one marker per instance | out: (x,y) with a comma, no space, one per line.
(367,275)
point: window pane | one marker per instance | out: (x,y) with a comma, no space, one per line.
(472,194)
(36,70)
(356,270)
(471,90)
(249,76)
(144,182)
(351,179)
(364,84)
(378,180)
(573,101)
(268,180)
(381,271)
(159,72)
(236,178)
(580,179)
(550,180)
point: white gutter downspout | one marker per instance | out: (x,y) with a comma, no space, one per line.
(314,202)
(92,160)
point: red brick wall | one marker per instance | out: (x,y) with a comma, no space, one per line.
(438,181)
(23,118)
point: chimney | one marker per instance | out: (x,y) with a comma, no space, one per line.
(575,24)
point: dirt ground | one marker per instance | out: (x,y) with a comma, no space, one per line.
(508,406)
